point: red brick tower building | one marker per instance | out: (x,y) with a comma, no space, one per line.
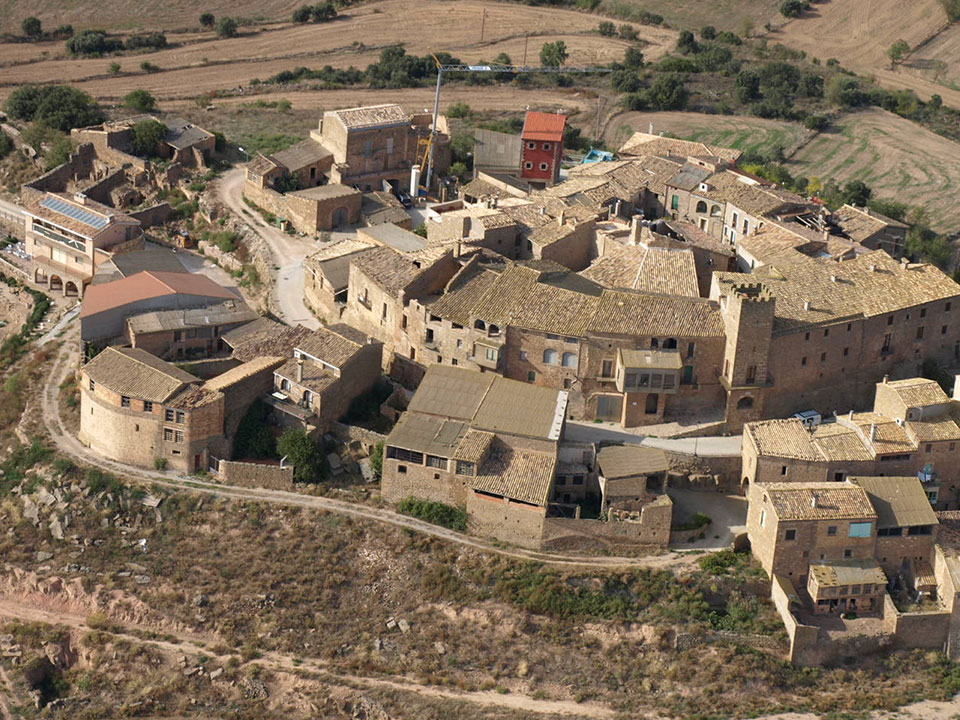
(542,147)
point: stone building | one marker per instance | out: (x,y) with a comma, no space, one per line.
(186,333)
(912,430)
(107,306)
(871,229)
(479,442)
(139,410)
(330,368)
(326,277)
(843,544)
(69,236)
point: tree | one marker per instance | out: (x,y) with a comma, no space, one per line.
(633,58)
(376,460)
(324,12)
(554,54)
(708,32)
(93,42)
(302,14)
(897,51)
(149,67)
(140,100)
(302,453)
(793,8)
(58,152)
(856,192)
(147,136)
(668,93)
(6,144)
(207,20)
(628,32)
(31,27)
(114,68)
(59,106)
(226,27)
(458,169)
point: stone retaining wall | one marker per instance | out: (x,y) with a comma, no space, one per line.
(256,475)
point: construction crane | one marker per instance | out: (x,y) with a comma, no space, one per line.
(428,145)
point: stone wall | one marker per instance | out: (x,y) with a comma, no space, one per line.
(928,630)
(153,215)
(100,190)
(685,641)
(506,520)
(803,638)
(348,434)
(256,475)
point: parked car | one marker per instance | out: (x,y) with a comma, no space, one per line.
(405,199)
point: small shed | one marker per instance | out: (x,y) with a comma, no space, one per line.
(631,474)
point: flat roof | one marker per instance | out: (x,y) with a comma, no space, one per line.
(395,237)
(622,461)
(899,501)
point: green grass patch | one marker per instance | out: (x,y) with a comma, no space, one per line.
(434,512)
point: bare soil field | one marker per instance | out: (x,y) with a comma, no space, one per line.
(722,14)
(897,158)
(749,134)
(200,63)
(938,59)
(859,32)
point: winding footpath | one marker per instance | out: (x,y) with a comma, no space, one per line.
(67,444)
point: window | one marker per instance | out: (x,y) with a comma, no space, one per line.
(168,415)
(368,148)
(832,530)
(606,368)
(454,361)
(403,323)
(846,351)
(284,384)
(531,376)
(887,340)
(402,469)
(490,354)
(946,308)
(783,469)
(168,434)
(178,436)
(943,330)
(923,312)
(920,333)
(523,355)
(561,480)
(147,406)
(928,448)
(806,336)
(953,446)
(93,385)
(789,534)
(578,479)
(803,361)
(551,357)
(569,360)
(763,518)
(459,343)
(847,553)
(389,146)
(920,530)
(465,468)
(701,206)
(436,462)
(544,166)
(528,166)
(746,226)
(180,416)
(751,374)
(823,357)
(890,320)
(826,333)
(531,146)
(440,359)
(124,401)
(654,343)
(691,347)
(567,383)
(675,202)
(861,529)
(404,455)
(546,146)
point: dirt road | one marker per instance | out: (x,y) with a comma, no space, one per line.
(289,252)
(67,444)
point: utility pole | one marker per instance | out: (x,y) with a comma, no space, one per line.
(493,68)
(526,39)
(483,22)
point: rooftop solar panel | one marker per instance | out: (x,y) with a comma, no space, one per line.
(80,214)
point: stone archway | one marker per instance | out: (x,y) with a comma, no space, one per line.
(745,403)
(745,486)
(55,283)
(70,289)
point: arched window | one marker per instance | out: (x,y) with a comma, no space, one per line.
(715,211)
(670,344)
(551,357)
(654,343)
(307,397)
(701,206)
(480,325)
(570,360)
(494,330)
(745,403)
(284,384)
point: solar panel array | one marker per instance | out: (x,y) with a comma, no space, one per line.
(77,213)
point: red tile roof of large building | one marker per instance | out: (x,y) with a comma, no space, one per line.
(544,126)
(148,284)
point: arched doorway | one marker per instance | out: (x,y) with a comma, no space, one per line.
(745,403)
(745,486)
(653,401)
(340,217)
(70,289)
(56,283)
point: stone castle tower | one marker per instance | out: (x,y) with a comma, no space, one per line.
(748,323)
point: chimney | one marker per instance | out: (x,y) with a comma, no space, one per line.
(806,304)
(833,278)
(457,249)
(543,210)
(299,370)
(886,379)
(956,387)
(873,432)
(850,416)
(562,217)
(813,500)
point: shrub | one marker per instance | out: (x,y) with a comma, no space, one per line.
(114,68)
(607,29)
(952,8)
(160,464)
(434,512)
(324,12)
(6,144)
(686,43)
(207,20)
(376,460)
(63,31)
(627,32)
(93,42)
(140,100)
(793,8)
(729,38)
(459,110)
(554,54)
(816,122)
(149,67)
(31,27)
(303,454)
(226,27)
(146,40)
(709,32)
(147,136)
(301,14)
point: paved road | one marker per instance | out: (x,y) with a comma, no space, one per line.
(288,252)
(715,446)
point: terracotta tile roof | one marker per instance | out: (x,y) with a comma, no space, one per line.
(136,373)
(315,376)
(262,164)
(837,443)
(654,270)
(264,337)
(932,429)
(474,446)
(919,392)
(328,346)
(517,474)
(389,269)
(333,261)
(146,285)
(889,437)
(360,118)
(754,199)
(622,461)
(819,501)
(301,155)
(869,285)
(634,175)
(543,126)
(462,294)
(861,223)
(627,313)
(641,143)
(242,372)
(899,501)
(782,438)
